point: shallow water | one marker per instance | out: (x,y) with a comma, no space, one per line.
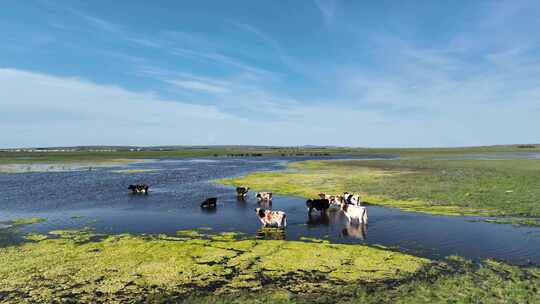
(99,199)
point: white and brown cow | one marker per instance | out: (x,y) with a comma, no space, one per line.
(264,196)
(355,214)
(241,192)
(270,218)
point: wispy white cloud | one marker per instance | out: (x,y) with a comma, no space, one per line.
(224,60)
(197,85)
(273,43)
(146,42)
(92,20)
(101,23)
(328,9)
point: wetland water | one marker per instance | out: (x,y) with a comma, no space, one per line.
(99,199)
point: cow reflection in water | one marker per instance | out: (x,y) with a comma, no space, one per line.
(271,234)
(324,219)
(316,220)
(265,204)
(358,231)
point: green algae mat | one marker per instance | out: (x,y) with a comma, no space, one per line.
(87,267)
(78,266)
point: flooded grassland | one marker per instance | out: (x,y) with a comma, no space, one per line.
(78,236)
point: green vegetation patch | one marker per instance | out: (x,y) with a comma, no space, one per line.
(71,265)
(515,222)
(449,187)
(36,237)
(453,280)
(42,165)
(127,171)
(78,266)
(27,221)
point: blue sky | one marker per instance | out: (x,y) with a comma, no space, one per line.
(347,73)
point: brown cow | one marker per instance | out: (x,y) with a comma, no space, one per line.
(270,218)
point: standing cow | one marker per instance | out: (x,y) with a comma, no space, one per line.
(138,189)
(264,196)
(209,203)
(270,218)
(321,205)
(241,192)
(355,214)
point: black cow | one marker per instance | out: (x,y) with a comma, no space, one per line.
(209,203)
(138,189)
(241,192)
(321,204)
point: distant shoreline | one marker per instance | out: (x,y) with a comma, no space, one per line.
(19,156)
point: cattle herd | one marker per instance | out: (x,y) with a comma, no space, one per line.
(350,204)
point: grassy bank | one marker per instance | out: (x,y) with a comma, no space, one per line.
(79,266)
(451,187)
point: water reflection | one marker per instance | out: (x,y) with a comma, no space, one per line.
(271,234)
(265,204)
(209,210)
(319,219)
(357,231)
(241,203)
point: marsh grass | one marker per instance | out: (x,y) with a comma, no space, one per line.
(449,187)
